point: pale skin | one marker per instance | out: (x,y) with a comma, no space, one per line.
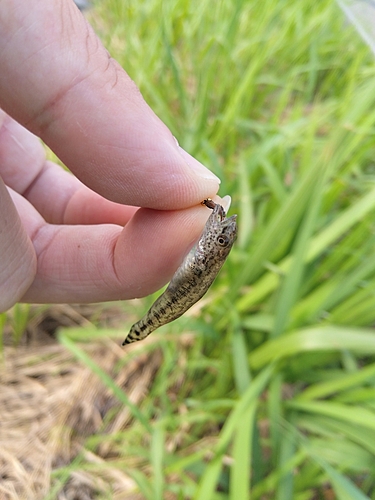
(79,237)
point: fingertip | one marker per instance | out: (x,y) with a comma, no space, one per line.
(199,169)
(154,243)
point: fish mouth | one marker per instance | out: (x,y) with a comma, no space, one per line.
(221,217)
(229,227)
(219,211)
(232,220)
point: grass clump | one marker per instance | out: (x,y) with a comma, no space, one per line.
(273,394)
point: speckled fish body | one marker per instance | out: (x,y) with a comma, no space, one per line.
(195,275)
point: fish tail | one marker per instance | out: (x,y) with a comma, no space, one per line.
(142,328)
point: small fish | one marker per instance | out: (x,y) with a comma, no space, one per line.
(194,276)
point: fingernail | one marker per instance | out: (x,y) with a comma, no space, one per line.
(197,167)
(226,202)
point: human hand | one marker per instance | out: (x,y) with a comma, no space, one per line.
(62,239)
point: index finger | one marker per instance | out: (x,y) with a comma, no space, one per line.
(59,81)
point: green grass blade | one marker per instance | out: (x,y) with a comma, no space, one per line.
(285,219)
(209,479)
(240,362)
(268,485)
(292,282)
(342,382)
(345,489)
(240,474)
(319,244)
(246,221)
(157,452)
(320,338)
(330,426)
(354,415)
(285,488)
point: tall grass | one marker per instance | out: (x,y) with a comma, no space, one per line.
(278,397)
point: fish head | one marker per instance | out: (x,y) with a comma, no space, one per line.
(220,232)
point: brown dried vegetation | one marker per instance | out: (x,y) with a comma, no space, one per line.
(49,404)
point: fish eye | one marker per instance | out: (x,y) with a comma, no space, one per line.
(223,240)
